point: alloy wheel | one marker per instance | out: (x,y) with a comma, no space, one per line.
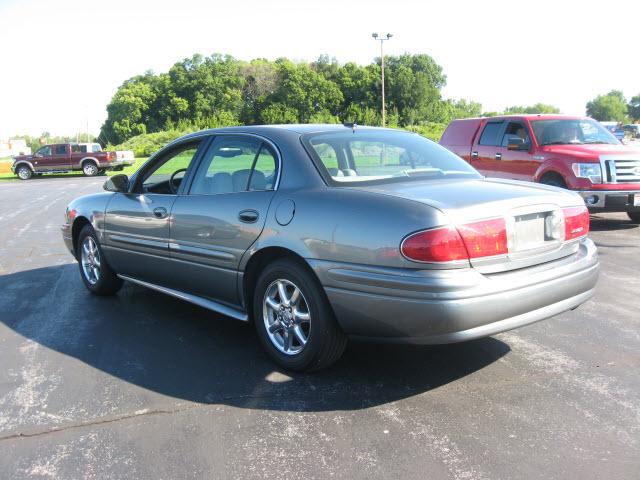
(90,259)
(286,317)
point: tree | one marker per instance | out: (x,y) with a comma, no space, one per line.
(537,108)
(612,106)
(634,108)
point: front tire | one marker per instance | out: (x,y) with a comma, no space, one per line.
(95,272)
(634,216)
(24,173)
(553,179)
(293,318)
(90,169)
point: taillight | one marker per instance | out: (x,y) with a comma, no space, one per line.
(576,222)
(484,238)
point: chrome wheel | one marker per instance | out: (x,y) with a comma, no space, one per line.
(90,169)
(90,260)
(24,173)
(286,317)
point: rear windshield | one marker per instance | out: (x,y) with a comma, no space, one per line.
(381,156)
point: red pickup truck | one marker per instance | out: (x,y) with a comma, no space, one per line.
(68,157)
(569,152)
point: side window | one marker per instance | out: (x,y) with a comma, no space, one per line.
(60,149)
(44,151)
(166,175)
(515,129)
(77,149)
(235,164)
(490,133)
(95,148)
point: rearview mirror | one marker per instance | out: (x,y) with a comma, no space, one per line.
(117,183)
(517,143)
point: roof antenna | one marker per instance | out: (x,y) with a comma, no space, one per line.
(353,127)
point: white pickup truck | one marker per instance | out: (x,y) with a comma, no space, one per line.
(122,155)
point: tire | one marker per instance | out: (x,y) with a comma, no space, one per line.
(553,179)
(95,272)
(90,169)
(24,172)
(321,341)
(634,216)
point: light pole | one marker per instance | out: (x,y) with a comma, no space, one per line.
(382,40)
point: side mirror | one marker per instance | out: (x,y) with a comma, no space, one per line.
(117,183)
(517,143)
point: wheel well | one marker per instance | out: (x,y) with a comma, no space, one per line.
(552,174)
(21,164)
(256,264)
(77,227)
(85,160)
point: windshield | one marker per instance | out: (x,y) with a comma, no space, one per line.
(380,156)
(571,131)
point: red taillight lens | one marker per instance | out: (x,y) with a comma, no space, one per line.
(437,245)
(485,238)
(472,240)
(576,222)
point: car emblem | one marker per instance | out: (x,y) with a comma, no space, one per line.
(636,171)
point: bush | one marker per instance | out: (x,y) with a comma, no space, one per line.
(431,130)
(149,143)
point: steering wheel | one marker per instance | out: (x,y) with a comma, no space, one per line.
(172,186)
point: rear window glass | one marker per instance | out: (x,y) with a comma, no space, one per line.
(490,133)
(380,156)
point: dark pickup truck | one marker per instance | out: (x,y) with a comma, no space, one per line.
(69,157)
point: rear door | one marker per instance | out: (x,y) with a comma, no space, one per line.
(486,154)
(222,215)
(60,157)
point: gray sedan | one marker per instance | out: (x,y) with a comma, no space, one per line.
(317,233)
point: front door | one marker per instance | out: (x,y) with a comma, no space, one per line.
(136,227)
(517,164)
(60,158)
(221,215)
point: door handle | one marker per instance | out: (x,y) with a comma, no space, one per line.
(474,155)
(160,212)
(498,156)
(248,216)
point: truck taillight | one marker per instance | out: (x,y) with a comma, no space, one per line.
(484,238)
(576,222)
(112,155)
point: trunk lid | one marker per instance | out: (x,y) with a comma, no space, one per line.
(532,213)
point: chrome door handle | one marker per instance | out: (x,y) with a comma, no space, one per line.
(498,156)
(248,216)
(160,212)
(474,155)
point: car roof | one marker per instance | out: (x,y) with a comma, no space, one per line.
(531,116)
(295,128)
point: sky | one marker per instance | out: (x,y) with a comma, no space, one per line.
(62,60)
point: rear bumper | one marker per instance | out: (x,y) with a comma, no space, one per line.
(611,200)
(116,164)
(447,306)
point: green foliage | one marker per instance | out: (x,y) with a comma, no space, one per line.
(609,107)
(537,108)
(431,130)
(145,144)
(203,92)
(634,108)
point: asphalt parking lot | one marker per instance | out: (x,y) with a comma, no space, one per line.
(141,385)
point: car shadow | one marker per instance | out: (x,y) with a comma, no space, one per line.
(600,223)
(180,350)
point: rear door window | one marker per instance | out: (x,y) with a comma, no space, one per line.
(490,133)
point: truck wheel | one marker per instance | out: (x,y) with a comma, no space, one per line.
(554,180)
(90,169)
(23,172)
(634,216)
(95,272)
(294,320)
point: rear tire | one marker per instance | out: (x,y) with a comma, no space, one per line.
(299,331)
(553,179)
(24,173)
(95,272)
(634,216)
(90,169)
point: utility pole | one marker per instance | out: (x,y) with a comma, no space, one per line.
(382,40)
